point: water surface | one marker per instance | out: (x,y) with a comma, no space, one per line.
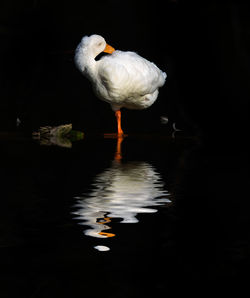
(135,220)
(120,192)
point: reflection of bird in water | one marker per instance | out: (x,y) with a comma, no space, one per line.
(123,79)
(120,192)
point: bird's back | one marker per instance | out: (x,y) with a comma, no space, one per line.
(126,74)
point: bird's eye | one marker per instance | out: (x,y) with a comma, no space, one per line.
(99,44)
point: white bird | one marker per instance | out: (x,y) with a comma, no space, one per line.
(123,79)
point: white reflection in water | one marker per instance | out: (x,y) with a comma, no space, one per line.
(120,192)
(102,248)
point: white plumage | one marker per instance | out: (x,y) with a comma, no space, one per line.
(123,79)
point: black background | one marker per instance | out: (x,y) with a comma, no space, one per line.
(203,47)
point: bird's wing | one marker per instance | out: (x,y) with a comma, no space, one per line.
(126,74)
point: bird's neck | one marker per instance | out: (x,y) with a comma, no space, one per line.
(85,61)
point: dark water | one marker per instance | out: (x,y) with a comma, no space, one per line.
(165,216)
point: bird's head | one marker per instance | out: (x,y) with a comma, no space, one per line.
(96,44)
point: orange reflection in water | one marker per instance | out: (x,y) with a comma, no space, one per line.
(108,235)
(105,221)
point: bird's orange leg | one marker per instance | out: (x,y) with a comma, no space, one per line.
(119,128)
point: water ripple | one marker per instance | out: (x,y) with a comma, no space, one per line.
(120,193)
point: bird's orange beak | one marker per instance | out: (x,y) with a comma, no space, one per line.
(108,49)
